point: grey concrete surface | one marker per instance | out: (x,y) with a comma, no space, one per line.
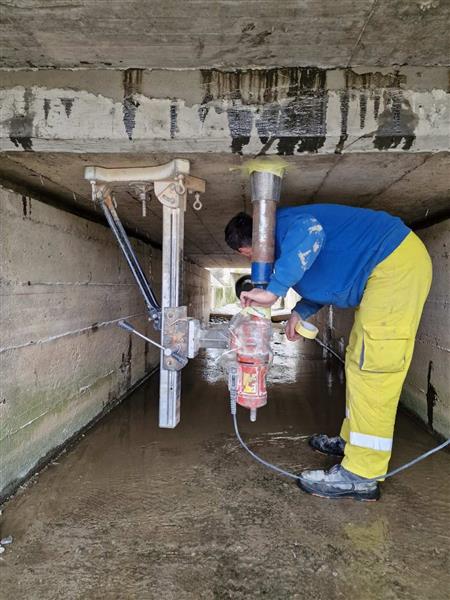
(63,360)
(227,33)
(427,387)
(138,513)
(285,110)
(412,186)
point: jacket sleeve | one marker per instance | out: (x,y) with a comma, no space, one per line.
(299,249)
(307,308)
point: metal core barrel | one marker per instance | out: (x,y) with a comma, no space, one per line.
(265,193)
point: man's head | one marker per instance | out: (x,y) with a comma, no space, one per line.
(238,234)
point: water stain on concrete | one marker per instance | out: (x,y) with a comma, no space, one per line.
(286,105)
(132,84)
(173,119)
(432,397)
(362,109)
(344,106)
(376,105)
(47,106)
(21,125)
(26,206)
(396,124)
(68,105)
(134,511)
(374,80)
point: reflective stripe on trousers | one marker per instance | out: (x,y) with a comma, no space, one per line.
(370,441)
(379,354)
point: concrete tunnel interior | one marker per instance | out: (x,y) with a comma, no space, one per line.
(99,501)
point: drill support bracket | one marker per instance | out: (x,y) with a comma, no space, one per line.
(181,337)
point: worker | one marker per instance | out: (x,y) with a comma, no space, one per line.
(350,258)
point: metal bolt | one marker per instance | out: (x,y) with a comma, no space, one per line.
(197,205)
(143,198)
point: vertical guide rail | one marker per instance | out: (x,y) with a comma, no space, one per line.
(173,236)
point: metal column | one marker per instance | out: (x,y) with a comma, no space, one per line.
(173,236)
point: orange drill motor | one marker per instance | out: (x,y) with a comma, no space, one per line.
(251,334)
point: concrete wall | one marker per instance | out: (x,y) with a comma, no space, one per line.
(427,387)
(63,360)
(197,292)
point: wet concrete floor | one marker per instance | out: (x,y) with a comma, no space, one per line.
(135,512)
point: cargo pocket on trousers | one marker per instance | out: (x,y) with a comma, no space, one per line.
(383,350)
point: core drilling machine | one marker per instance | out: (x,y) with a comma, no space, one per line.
(182,336)
(251,329)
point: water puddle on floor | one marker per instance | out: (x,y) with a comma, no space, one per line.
(133,511)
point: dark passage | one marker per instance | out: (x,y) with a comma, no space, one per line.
(136,512)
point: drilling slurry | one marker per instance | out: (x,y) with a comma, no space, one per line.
(136,512)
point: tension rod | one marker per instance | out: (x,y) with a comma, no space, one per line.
(131,329)
(116,226)
(167,351)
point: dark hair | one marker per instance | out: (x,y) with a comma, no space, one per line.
(238,232)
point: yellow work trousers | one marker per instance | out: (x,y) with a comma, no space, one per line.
(379,354)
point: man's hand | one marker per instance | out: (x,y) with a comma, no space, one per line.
(258,297)
(291,334)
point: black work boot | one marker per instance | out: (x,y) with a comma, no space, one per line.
(333,446)
(336,483)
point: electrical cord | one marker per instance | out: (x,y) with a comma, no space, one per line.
(272,467)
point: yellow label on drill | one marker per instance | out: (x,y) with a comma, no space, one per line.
(249,383)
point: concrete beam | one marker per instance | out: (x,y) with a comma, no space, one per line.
(283,111)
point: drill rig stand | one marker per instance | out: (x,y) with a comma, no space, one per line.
(181,336)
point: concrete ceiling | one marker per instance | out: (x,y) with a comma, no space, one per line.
(208,33)
(410,185)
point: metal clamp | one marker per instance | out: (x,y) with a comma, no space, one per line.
(175,333)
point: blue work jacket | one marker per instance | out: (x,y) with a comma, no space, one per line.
(326,252)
